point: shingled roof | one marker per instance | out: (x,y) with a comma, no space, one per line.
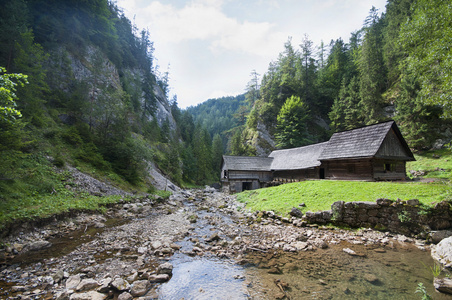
(362,142)
(247,163)
(297,158)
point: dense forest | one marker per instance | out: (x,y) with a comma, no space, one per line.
(80,87)
(397,66)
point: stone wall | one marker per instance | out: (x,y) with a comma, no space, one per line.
(406,217)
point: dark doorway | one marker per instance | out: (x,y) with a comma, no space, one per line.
(246,186)
(322,173)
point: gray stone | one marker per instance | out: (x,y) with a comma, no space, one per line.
(165,268)
(120,284)
(443,252)
(413,202)
(86,285)
(438,236)
(72,282)
(300,245)
(371,278)
(295,212)
(383,202)
(159,278)
(443,285)
(62,295)
(156,244)
(213,237)
(140,287)
(105,285)
(58,276)
(125,296)
(92,295)
(38,245)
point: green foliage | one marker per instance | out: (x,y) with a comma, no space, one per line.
(346,111)
(425,40)
(404,217)
(291,129)
(8,111)
(423,291)
(418,122)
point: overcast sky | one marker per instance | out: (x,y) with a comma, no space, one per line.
(212,46)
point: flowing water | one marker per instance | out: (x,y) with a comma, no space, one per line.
(376,273)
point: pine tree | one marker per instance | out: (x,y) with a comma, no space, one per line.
(291,130)
(371,69)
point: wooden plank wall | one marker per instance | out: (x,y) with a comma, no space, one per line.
(349,169)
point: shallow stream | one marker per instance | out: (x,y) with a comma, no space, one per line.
(375,273)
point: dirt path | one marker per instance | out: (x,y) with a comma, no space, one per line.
(123,255)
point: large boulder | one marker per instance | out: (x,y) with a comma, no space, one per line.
(443,252)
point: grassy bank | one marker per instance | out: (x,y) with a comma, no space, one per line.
(320,194)
(435,164)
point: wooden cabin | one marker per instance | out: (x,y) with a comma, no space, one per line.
(371,153)
(240,173)
(376,152)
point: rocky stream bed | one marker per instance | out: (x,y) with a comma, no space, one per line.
(202,244)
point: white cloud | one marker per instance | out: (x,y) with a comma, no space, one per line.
(213,45)
(204,20)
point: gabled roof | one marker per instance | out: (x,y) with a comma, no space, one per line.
(247,163)
(364,142)
(297,158)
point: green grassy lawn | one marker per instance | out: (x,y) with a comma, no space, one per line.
(320,194)
(436,164)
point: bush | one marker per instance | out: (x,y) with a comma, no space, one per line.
(72,136)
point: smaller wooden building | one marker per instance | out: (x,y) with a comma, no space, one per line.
(376,152)
(240,173)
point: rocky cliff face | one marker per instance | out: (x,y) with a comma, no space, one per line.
(92,67)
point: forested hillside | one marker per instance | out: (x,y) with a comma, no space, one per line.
(80,88)
(397,66)
(221,116)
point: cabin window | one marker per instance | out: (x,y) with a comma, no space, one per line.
(351,169)
(225,174)
(390,167)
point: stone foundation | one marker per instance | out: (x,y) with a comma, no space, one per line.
(406,217)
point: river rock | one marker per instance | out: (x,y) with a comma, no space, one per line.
(371,278)
(120,284)
(58,276)
(139,288)
(62,295)
(159,278)
(300,245)
(92,295)
(125,296)
(213,237)
(438,236)
(38,245)
(165,268)
(105,285)
(86,285)
(443,252)
(72,282)
(349,251)
(156,245)
(443,285)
